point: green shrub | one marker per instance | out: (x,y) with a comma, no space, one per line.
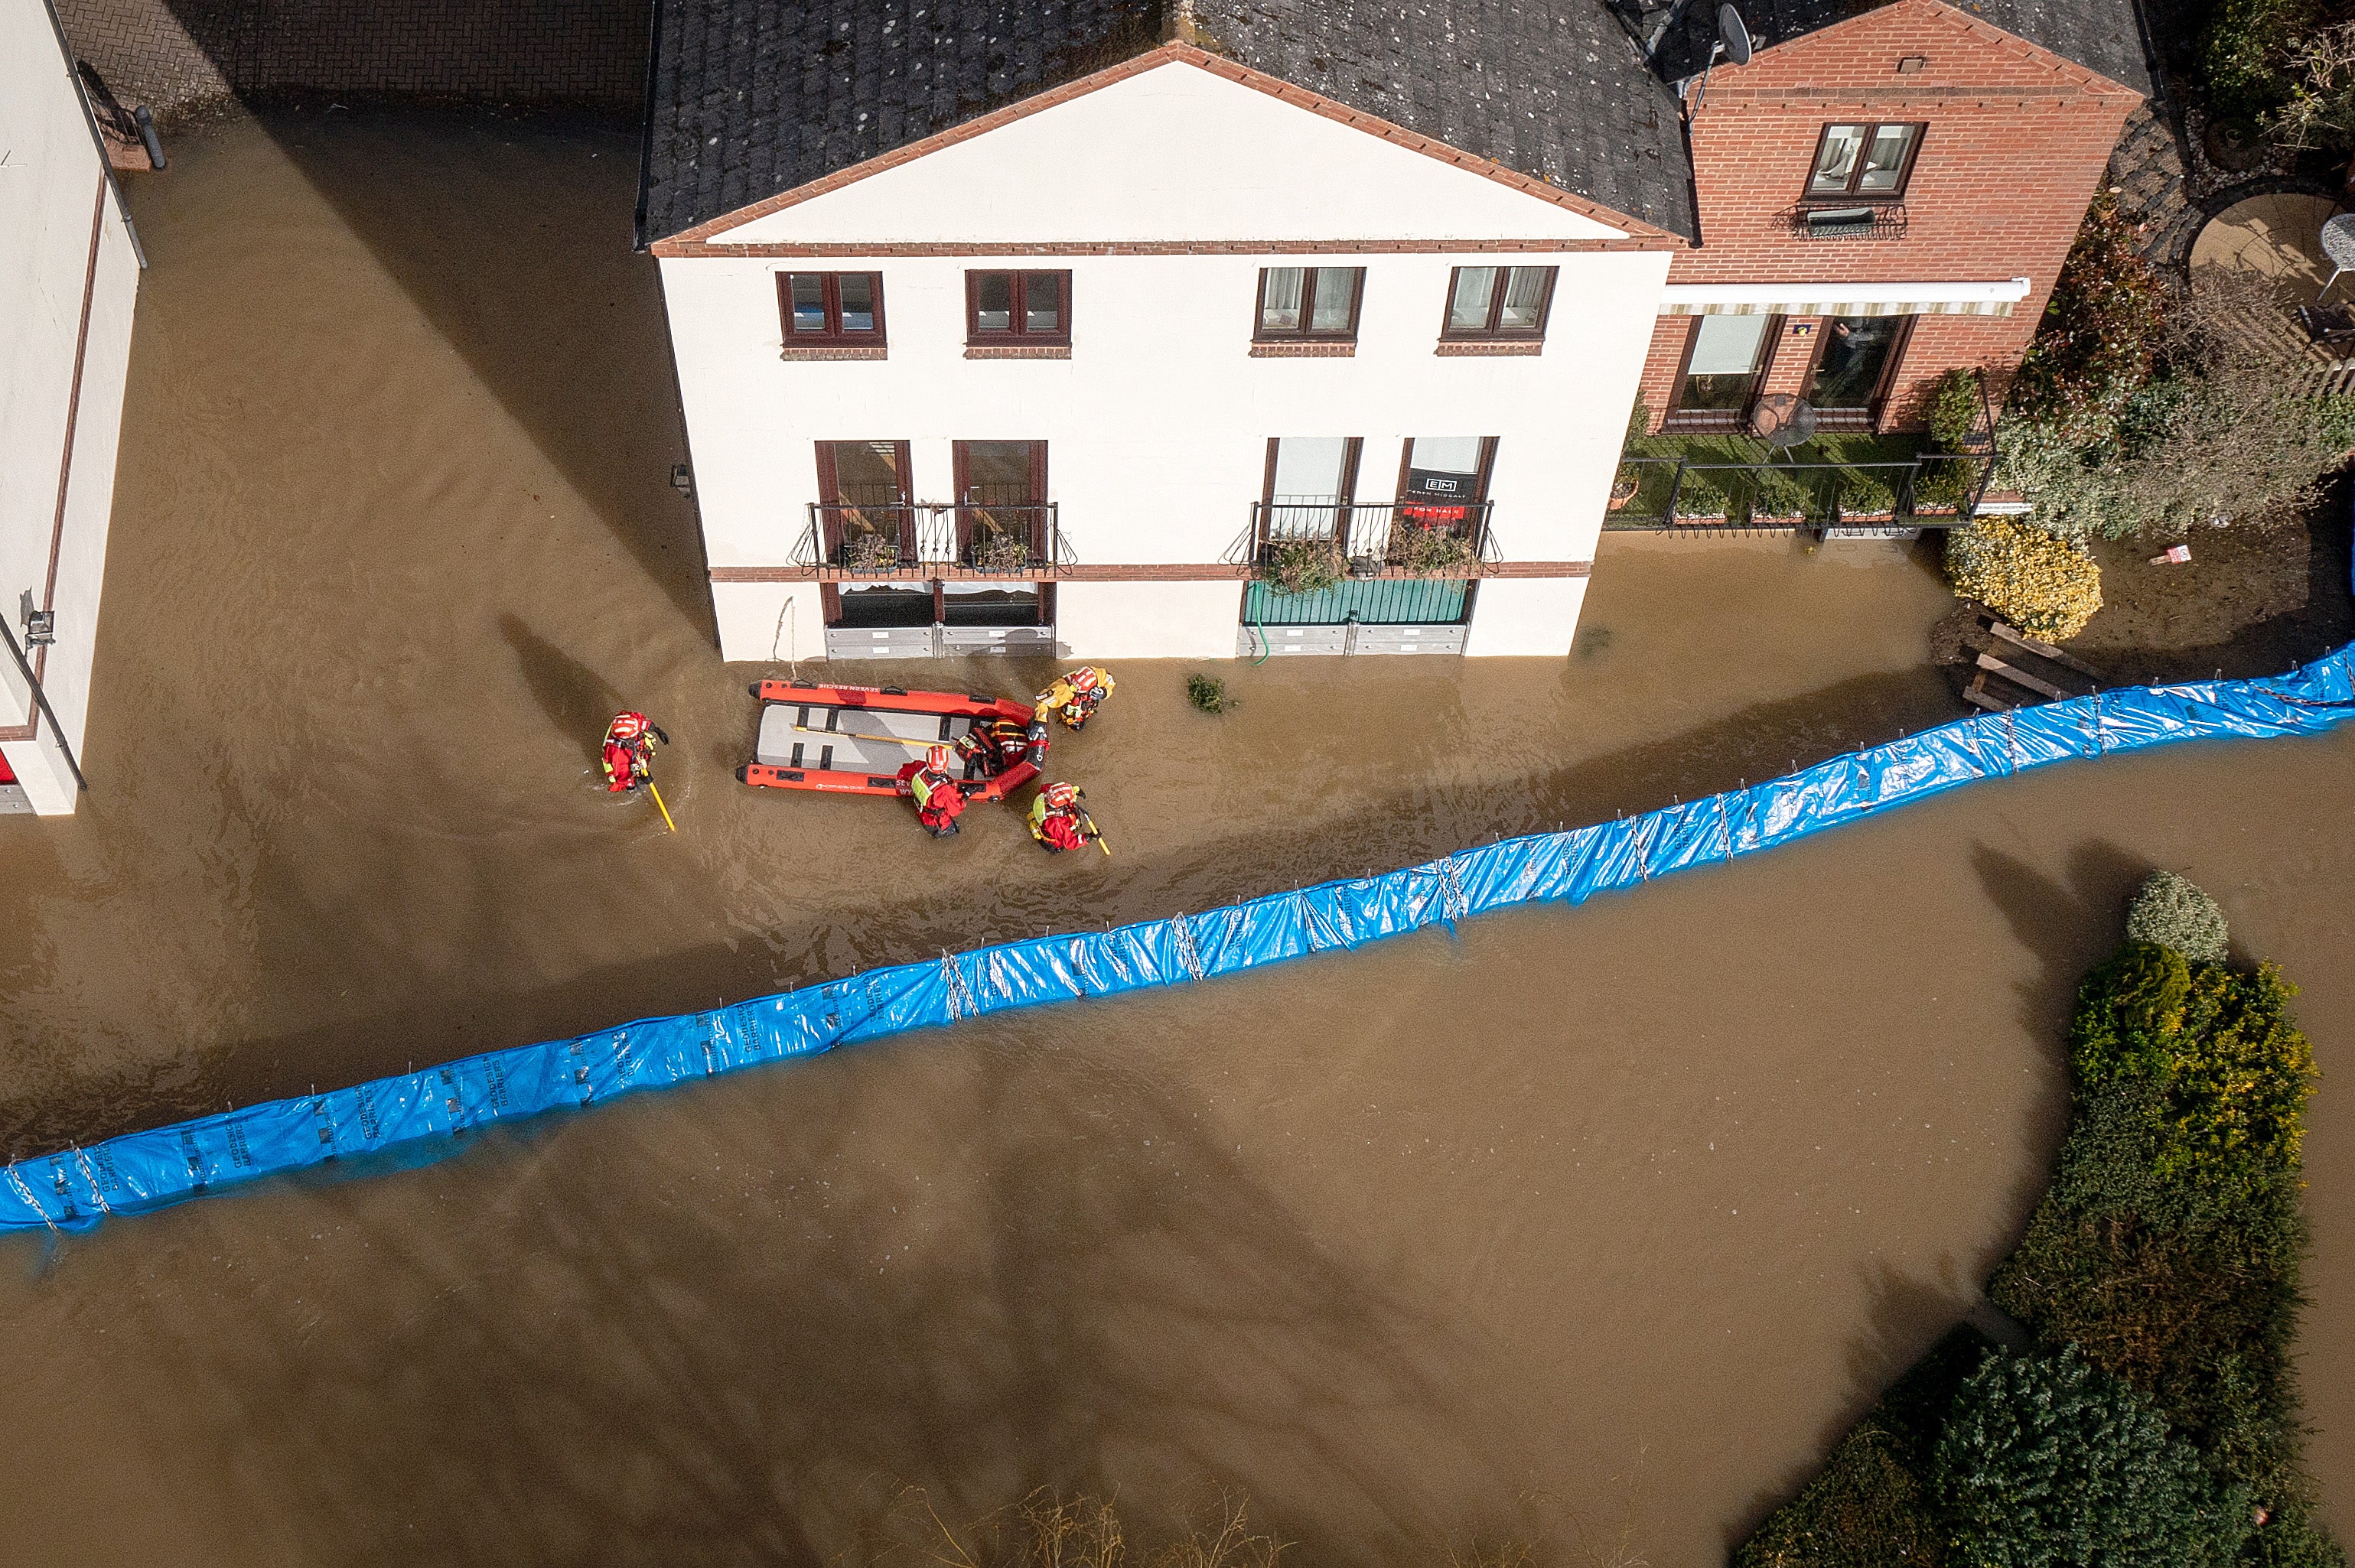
(1303,565)
(1955,409)
(1207,693)
(2093,349)
(2292,1540)
(1701,495)
(2170,912)
(1870,1505)
(2048,587)
(2243,54)
(2047,1462)
(1863,492)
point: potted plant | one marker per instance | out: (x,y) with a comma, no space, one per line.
(1940,489)
(995,550)
(870,551)
(1434,552)
(1865,497)
(1302,566)
(1781,501)
(1700,499)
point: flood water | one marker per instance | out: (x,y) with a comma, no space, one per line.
(1592,1227)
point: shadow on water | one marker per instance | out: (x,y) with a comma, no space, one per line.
(578,701)
(2067,925)
(535,284)
(750,1372)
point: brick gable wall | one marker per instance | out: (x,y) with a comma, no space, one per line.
(2017,142)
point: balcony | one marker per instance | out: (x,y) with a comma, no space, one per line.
(934,539)
(1851,487)
(1374,539)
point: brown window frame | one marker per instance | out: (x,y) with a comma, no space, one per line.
(1262,332)
(829,597)
(1017,333)
(1851,196)
(1677,421)
(830,297)
(1493,332)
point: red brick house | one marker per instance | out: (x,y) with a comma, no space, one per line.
(1881,195)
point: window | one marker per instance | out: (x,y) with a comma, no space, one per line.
(1723,363)
(1017,309)
(1499,301)
(1868,162)
(1311,303)
(832,310)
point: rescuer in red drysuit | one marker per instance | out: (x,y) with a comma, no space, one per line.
(1058,821)
(628,751)
(938,797)
(990,749)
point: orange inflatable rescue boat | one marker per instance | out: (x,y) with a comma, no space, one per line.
(854,740)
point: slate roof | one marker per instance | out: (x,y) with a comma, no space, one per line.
(2100,34)
(748,99)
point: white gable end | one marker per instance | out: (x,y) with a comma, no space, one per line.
(1173,153)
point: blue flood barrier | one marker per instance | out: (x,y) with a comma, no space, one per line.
(78,1186)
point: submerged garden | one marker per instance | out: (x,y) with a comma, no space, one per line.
(2153,1418)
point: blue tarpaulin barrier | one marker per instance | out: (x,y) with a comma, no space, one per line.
(143,1171)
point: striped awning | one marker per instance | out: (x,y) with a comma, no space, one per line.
(1968,299)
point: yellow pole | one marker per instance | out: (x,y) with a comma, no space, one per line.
(659,806)
(1090,822)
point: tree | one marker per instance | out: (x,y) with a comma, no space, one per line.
(2047,1463)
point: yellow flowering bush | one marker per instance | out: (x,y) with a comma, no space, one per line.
(2046,585)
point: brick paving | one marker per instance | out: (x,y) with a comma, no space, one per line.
(175,55)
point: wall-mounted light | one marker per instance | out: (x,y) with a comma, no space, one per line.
(40,628)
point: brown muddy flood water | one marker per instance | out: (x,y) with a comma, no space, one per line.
(1590,1226)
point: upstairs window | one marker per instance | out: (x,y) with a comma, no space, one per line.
(1864,163)
(1499,302)
(832,310)
(1310,304)
(1017,309)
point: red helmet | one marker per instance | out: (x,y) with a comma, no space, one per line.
(937,756)
(1060,795)
(1085,679)
(627,727)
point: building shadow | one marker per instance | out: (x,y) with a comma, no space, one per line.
(511,235)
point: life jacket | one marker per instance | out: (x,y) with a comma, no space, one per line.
(938,799)
(621,766)
(1068,700)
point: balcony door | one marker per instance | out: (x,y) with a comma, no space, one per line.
(1001,504)
(1309,484)
(1854,363)
(865,517)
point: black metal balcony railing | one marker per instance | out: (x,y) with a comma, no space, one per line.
(1421,538)
(1933,490)
(1873,220)
(935,539)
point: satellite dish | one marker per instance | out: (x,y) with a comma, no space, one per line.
(1732,35)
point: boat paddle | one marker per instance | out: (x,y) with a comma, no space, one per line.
(659,806)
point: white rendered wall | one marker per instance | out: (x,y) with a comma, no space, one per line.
(52,186)
(1172,153)
(1158,424)
(1148,620)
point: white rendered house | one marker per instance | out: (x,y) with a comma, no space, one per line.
(1055,333)
(69,280)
